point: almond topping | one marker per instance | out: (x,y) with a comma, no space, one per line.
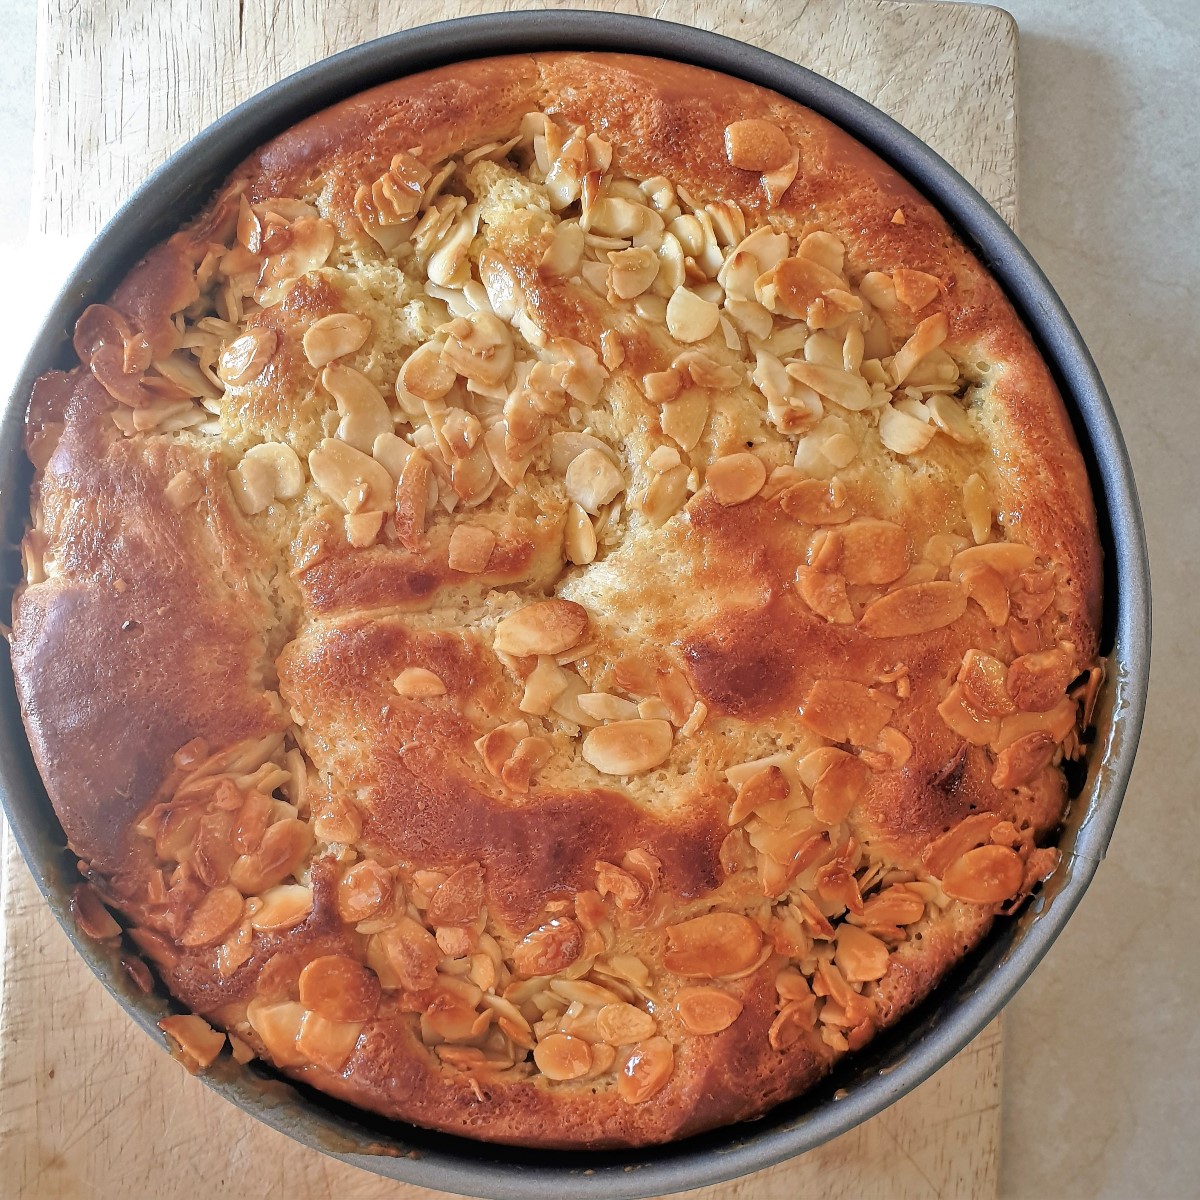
(418,683)
(354,481)
(545,627)
(198,1042)
(560,1056)
(592,480)
(411,500)
(277,1026)
(1024,760)
(736,478)
(706,1010)
(977,507)
(548,949)
(579,536)
(712,946)
(797,283)
(282,907)
(471,547)
(405,955)
(918,608)
(622,1024)
(245,358)
(364,892)
(915,289)
(927,336)
(825,593)
(795,1019)
(815,502)
(970,832)
(334,336)
(756,145)
(424,377)
(903,433)
(683,420)
(776,183)
(839,386)
(689,318)
(1037,682)
(214,917)
(628,747)
(269,471)
(984,682)
(861,957)
(948,415)
(987,875)
(646,1071)
(459,899)
(339,988)
(91,917)
(841,780)
(844,711)
(327,1043)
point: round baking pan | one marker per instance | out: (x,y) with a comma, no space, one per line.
(901,1057)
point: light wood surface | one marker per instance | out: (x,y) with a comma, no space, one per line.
(90,1107)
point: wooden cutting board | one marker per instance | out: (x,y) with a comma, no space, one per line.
(89,1106)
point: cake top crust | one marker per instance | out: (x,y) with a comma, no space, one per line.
(556,607)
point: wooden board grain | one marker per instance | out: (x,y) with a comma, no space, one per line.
(89,1106)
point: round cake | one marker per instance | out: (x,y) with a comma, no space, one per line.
(557,607)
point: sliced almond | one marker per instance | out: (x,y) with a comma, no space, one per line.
(579,536)
(245,358)
(861,957)
(756,145)
(363,410)
(684,418)
(706,1010)
(628,747)
(948,415)
(776,183)
(918,608)
(623,1024)
(903,433)
(545,627)
(198,1042)
(418,683)
(592,480)
(927,336)
(915,289)
(664,495)
(797,283)
(844,711)
(835,384)
(339,988)
(735,478)
(562,1057)
(815,502)
(269,471)
(690,318)
(712,946)
(327,1043)
(987,875)
(213,918)
(334,336)
(550,948)
(603,706)
(354,481)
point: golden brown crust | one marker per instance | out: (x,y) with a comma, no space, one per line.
(159,613)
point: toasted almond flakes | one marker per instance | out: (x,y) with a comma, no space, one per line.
(418,683)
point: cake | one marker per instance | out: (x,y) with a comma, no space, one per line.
(557,607)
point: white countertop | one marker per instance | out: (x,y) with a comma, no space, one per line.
(1102,1054)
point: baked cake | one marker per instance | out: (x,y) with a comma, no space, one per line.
(556,608)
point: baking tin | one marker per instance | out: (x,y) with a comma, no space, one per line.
(899,1058)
